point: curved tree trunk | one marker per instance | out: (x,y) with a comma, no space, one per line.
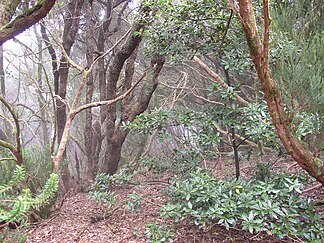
(281,120)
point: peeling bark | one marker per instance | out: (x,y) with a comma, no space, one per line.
(281,120)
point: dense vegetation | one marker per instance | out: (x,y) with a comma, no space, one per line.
(100,92)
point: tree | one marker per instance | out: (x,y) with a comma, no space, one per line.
(15,17)
(281,120)
(110,46)
(197,19)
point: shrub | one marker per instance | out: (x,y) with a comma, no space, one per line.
(134,202)
(262,172)
(37,165)
(101,187)
(179,162)
(255,206)
(158,233)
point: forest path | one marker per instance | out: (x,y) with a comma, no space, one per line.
(81,220)
(84,220)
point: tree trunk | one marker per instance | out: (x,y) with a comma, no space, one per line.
(90,145)
(71,27)
(128,113)
(41,102)
(281,120)
(2,74)
(113,154)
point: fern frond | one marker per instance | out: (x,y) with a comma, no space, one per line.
(16,209)
(17,177)
(20,207)
(48,192)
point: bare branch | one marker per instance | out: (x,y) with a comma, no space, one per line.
(218,79)
(108,102)
(17,151)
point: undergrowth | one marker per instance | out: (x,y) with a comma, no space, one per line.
(275,206)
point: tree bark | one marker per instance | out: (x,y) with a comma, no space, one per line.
(128,113)
(281,120)
(89,142)
(71,27)
(41,101)
(9,27)
(2,74)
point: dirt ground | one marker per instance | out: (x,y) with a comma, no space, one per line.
(81,219)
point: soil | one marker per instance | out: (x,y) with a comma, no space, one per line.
(81,219)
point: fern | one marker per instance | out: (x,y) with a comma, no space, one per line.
(48,192)
(13,207)
(17,177)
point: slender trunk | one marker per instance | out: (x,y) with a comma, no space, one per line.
(102,62)
(40,98)
(2,74)
(90,146)
(71,27)
(56,76)
(236,156)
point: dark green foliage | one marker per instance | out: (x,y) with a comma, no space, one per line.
(17,177)
(186,27)
(255,206)
(134,202)
(197,125)
(38,165)
(262,172)
(298,69)
(252,121)
(297,53)
(17,184)
(101,187)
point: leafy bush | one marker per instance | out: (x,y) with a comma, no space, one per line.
(101,187)
(255,206)
(17,200)
(134,202)
(198,128)
(158,233)
(38,165)
(179,162)
(262,172)
(104,181)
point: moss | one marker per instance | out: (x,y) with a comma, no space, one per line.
(28,12)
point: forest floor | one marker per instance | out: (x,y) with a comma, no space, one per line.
(81,219)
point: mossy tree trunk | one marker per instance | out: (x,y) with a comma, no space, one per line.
(11,26)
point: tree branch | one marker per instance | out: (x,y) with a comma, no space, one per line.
(17,151)
(218,79)
(25,20)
